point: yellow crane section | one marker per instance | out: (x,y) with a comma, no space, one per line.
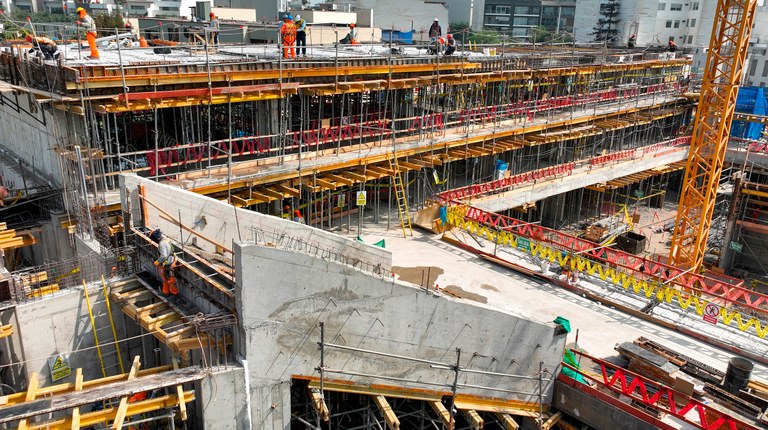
(712,124)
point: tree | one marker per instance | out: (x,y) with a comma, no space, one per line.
(107,22)
(608,25)
(481,37)
(541,34)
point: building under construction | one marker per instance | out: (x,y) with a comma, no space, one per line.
(290,191)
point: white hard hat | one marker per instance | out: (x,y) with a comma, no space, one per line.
(298,17)
(437,19)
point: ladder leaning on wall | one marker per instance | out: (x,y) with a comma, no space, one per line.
(402,201)
(106,347)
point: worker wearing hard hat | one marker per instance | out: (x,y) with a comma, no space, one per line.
(90,32)
(165,262)
(214,27)
(435,31)
(450,46)
(45,45)
(351,37)
(288,36)
(301,35)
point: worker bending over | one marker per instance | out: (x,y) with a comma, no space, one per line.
(45,45)
(450,46)
(90,32)
(351,37)
(166,262)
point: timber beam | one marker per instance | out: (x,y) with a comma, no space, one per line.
(393,423)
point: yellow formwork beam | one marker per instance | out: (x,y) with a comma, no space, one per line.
(393,423)
(108,414)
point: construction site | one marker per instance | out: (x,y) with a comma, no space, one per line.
(372,237)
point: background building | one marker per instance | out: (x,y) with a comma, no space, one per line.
(518,17)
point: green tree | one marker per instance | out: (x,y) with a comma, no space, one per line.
(541,34)
(107,22)
(481,37)
(608,24)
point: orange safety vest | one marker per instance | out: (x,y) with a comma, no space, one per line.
(288,30)
(44,41)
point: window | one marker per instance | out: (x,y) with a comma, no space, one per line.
(497,8)
(662,6)
(669,24)
(692,23)
(695,6)
(677,23)
(526,10)
(676,6)
(690,40)
(522,20)
(765,69)
(752,68)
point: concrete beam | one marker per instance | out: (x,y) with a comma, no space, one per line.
(581,177)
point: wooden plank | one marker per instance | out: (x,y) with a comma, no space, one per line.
(30,396)
(180,394)
(318,402)
(76,409)
(474,419)
(389,415)
(552,421)
(117,424)
(287,190)
(274,195)
(341,179)
(507,421)
(354,176)
(440,410)
(326,185)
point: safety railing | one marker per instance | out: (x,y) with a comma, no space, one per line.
(616,380)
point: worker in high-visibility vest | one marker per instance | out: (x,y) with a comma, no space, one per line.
(288,35)
(90,32)
(43,44)
(166,262)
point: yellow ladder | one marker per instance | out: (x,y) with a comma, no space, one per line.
(95,330)
(402,201)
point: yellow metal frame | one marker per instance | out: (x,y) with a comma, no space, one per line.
(717,102)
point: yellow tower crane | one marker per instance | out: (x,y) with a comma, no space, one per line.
(712,124)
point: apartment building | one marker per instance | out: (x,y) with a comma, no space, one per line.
(516,17)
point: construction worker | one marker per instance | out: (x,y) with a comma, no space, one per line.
(297,216)
(435,32)
(632,41)
(43,44)
(301,35)
(450,47)
(166,262)
(436,47)
(214,27)
(672,46)
(288,35)
(90,32)
(351,37)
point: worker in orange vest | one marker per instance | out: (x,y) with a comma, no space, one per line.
(90,32)
(43,44)
(288,34)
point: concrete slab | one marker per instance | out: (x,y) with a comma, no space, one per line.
(599,326)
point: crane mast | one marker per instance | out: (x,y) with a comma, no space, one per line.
(717,102)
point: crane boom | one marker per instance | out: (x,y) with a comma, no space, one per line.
(712,124)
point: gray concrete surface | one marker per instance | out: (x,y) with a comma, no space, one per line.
(279,333)
(582,176)
(220,398)
(216,220)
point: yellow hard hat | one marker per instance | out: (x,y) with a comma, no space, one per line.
(78,10)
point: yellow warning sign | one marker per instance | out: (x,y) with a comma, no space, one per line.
(361,198)
(59,366)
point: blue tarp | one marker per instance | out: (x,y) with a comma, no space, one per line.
(750,100)
(397,36)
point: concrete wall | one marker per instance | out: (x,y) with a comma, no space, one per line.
(469,11)
(220,398)
(221,226)
(593,412)
(282,296)
(400,14)
(59,323)
(28,139)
